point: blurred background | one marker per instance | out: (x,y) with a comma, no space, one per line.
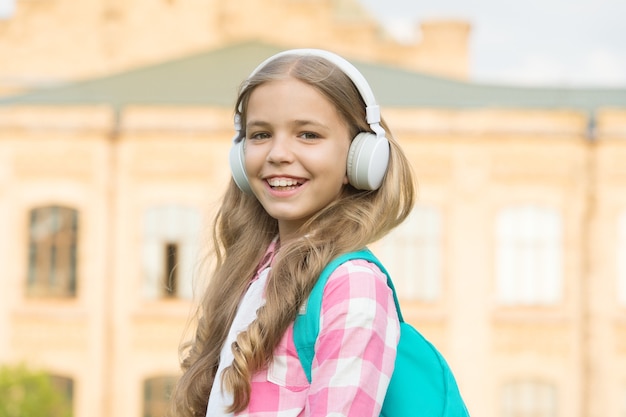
(116,121)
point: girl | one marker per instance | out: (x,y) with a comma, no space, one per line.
(315,174)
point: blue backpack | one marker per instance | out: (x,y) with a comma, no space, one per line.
(422,383)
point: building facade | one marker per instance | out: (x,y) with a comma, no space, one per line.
(513,263)
(100,37)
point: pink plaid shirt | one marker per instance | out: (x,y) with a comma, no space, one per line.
(354,355)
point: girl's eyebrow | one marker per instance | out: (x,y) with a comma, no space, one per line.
(257,123)
(297,123)
(309,123)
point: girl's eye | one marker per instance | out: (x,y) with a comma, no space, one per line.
(309,135)
(259,135)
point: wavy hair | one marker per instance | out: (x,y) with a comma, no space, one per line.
(242,230)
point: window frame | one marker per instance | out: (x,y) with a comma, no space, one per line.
(52,254)
(65,386)
(539,394)
(164,225)
(153,407)
(420,237)
(528,256)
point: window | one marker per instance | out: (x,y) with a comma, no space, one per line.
(171,272)
(65,386)
(529,399)
(412,255)
(528,256)
(52,252)
(169,251)
(156,394)
(621,259)
(7,9)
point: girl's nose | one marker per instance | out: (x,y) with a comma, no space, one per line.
(280,150)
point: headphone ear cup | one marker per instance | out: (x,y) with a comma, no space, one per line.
(368,159)
(238,167)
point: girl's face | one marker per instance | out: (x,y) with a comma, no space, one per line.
(295,151)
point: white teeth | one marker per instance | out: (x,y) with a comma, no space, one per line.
(282,182)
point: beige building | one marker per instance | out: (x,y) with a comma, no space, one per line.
(513,263)
(52,42)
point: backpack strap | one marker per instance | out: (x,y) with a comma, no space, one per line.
(307,324)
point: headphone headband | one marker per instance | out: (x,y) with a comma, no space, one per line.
(372,110)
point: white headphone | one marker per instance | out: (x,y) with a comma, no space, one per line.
(368,156)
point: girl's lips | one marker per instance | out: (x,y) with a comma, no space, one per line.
(284,186)
(283,182)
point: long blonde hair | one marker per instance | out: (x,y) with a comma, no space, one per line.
(243,230)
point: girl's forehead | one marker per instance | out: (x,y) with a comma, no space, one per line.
(292,100)
(288,88)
